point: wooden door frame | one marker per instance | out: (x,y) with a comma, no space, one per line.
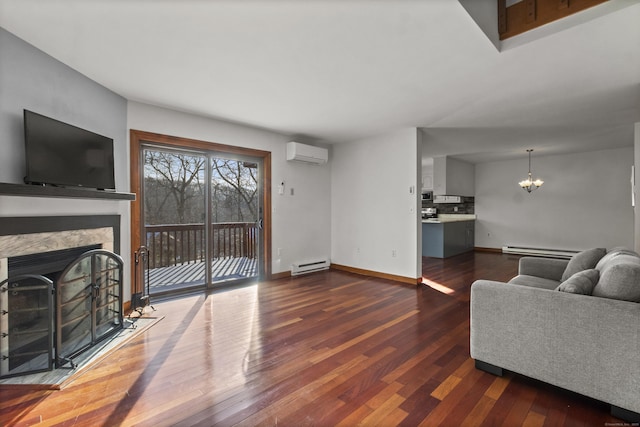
(138,138)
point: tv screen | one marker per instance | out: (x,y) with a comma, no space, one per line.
(64,155)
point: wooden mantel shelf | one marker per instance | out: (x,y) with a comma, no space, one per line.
(9,189)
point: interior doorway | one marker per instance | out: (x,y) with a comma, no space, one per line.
(201,214)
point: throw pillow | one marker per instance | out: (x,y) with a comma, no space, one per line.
(582,282)
(583,261)
(620,281)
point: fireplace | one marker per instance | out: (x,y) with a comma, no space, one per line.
(60,289)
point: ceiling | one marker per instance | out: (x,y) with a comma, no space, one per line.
(339,70)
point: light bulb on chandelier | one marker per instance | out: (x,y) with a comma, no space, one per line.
(529,184)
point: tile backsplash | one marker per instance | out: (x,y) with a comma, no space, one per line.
(467,206)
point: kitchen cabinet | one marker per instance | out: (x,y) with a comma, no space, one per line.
(447,199)
(446,239)
(453,177)
(427,182)
(427,174)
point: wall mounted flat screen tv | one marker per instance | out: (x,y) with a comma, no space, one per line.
(63,155)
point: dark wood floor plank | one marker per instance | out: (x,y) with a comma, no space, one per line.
(330,348)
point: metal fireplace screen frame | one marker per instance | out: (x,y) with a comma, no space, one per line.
(89,303)
(26,325)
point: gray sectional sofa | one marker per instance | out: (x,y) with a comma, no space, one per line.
(571,323)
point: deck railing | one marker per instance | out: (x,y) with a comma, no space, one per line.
(177,244)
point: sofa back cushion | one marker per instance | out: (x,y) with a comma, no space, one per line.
(620,278)
(614,252)
(584,260)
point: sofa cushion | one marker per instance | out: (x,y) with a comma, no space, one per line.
(614,252)
(620,279)
(583,261)
(548,268)
(534,282)
(624,250)
(582,282)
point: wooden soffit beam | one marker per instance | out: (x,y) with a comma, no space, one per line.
(529,14)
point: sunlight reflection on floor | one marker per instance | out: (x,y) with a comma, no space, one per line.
(236,346)
(438,287)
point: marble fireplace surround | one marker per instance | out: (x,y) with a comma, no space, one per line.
(32,235)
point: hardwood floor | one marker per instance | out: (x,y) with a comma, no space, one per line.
(327,349)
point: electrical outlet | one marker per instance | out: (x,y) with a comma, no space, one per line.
(279,252)
(394,253)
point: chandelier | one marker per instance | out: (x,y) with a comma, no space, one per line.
(529,184)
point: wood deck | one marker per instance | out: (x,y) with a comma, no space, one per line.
(325,349)
(187,275)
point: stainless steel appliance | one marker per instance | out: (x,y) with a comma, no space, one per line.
(428,213)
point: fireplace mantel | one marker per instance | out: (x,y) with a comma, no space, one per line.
(9,189)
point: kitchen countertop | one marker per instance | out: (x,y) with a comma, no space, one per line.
(449,218)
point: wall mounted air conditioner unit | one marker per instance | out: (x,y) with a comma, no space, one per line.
(307,153)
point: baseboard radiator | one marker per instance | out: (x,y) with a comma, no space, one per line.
(298,268)
(543,252)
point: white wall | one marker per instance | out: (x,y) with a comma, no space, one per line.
(373,212)
(636,146)
(585,202)
(484,13)
(301,222)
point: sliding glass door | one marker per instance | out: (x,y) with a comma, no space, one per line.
(201,217)
(236,214)
(174,210)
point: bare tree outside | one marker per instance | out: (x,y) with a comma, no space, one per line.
(175,207)
(234,190)
(174,187)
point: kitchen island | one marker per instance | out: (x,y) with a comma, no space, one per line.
(448,235)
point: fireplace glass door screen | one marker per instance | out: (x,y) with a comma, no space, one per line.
(89,303)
